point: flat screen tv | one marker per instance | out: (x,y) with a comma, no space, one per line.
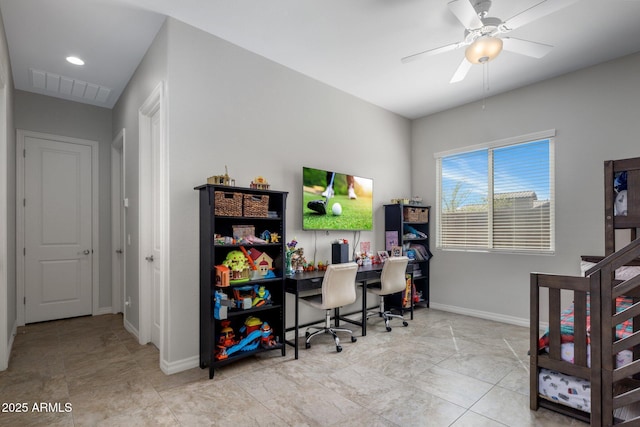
(336,201)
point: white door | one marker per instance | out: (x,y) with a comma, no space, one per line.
(57,229)
(118,222)
(155,228)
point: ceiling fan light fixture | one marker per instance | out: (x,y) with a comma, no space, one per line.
(483,49)
(74,60)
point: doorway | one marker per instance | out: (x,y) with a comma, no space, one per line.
(118,225)
(57,227)
(153,220)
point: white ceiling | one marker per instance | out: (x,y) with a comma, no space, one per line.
(353,45)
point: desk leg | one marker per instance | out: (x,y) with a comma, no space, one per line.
(364,308)
(295,339)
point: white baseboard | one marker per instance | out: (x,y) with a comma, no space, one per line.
(14,330)
(518,321)
(131,329)
(179,365)
(103,310)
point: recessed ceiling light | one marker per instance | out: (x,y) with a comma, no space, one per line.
(75,60)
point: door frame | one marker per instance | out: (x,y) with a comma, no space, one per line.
(118,224)
(155,102)
(6,337)
(20,212)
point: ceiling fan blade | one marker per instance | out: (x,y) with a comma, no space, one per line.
(431,52)
(525,47)
(464,11)
(461,72)
(543,8)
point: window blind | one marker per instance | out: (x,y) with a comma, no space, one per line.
(497,198)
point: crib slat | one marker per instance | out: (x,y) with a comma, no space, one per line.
(554,324)
(580,328)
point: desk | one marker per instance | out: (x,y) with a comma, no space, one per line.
(310,280)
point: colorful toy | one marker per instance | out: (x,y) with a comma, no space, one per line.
(257,333)
(249,258)
(297,260)
(222,179)
(238,264)
(225,339)
(244,296)
(260,183)
(267,340)
(262,296)
(261,260)
(275,238)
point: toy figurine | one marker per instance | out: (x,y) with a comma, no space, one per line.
(226,339)
(267,340)
(262,296)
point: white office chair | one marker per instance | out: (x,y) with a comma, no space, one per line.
(392,281)
(338,289)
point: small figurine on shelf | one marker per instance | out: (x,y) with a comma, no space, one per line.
(222,179)
(259,183)
(298,261)
(267,340)
(288,255)
(226,339)
(275,237)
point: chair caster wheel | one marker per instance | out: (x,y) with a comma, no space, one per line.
(307,345)
(354,339)
(338,348)
(405,324)
(388,328)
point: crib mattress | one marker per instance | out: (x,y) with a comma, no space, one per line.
(569,390)
(566,389)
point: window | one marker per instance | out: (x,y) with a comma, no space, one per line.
(498,197)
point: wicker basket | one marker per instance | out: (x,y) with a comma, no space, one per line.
(256,206)
(415,214)
(228,204)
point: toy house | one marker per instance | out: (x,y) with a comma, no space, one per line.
(262,261)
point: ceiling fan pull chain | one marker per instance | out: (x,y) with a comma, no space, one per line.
(485,83)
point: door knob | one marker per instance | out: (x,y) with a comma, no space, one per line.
(149,258)
(118,251)
(86,252)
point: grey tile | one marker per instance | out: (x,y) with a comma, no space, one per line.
(444,369)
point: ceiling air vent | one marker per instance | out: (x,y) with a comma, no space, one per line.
(68,86)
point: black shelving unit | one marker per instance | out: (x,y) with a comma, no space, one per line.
(214,225)
(412,229)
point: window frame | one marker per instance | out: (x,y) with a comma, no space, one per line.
(490,146)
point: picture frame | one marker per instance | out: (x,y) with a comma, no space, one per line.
(396,251)
(383,255)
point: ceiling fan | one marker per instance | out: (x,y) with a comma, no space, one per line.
(482,33)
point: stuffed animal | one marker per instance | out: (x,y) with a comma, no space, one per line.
(620,204)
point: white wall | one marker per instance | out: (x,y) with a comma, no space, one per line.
(595,112)
(228,106)
(151,71)
(56,116)
(8,312)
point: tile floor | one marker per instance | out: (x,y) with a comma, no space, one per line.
(442,370)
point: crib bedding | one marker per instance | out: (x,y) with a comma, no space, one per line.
(623,330)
